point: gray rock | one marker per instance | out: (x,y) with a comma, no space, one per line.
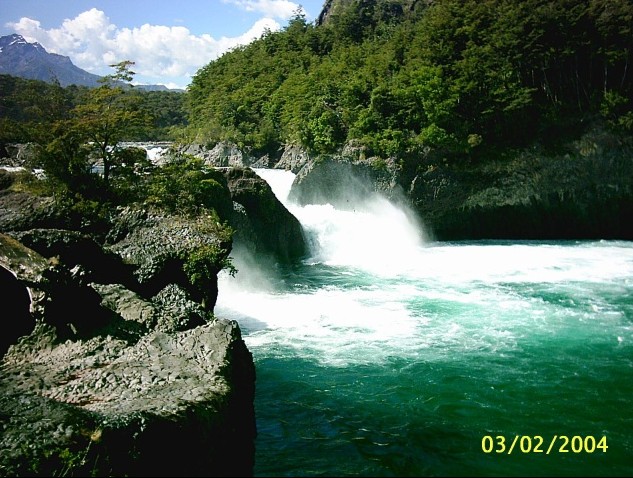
(223,154)
(293,158)
(277,233)
(345,182)
(178,311)
(128,305)
(158,246)
(74,248)
(18,154)
(21,272)
(108,407)
(104,381)
(21,211)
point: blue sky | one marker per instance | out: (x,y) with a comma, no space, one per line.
(168,40)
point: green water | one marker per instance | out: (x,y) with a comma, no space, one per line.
(386,354)
(362,373)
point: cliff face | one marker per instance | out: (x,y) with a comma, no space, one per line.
(266,227)
(584,190)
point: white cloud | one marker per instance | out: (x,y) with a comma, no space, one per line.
(282,9)
(161,54)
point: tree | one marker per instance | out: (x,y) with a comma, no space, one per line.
(109,114)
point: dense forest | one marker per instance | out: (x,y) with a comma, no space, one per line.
(466,76)
(29,108)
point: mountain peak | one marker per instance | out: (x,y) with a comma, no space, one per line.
(18,57)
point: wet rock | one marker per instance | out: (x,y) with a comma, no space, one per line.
(277,233)
(344,181)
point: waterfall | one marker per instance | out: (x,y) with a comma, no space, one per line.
(379,236)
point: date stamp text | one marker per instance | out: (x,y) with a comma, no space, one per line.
(537,444)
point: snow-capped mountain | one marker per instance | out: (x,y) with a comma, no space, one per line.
(31,60)
(20,58)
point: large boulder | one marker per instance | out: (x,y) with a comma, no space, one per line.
(177,404)
(277,233)
(344,181)
(97,379)
(21,211)
(160,247)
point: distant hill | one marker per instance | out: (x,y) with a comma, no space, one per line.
(31,60)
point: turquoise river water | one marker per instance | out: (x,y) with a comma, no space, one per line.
(388,354)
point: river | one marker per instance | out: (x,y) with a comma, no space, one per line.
(385,353)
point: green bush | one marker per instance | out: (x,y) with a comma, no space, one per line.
(185,185)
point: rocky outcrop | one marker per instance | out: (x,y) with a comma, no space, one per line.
(21,270)
(222,155)
(262,222)
(76,249)
(582,191)
(225,154)
(293,158)
(99,379)
(18,154)
(344,181)
(383,10)
(112,360)
(158,247)
(163,405)
(21,211)
(586,192)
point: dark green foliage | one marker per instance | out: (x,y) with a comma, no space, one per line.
(185,185)
(77,130)
(203,264)
(28,108)
(467,77)
(66,159)
(166,112)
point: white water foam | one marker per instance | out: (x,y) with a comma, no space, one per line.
(380,239)
(399,297)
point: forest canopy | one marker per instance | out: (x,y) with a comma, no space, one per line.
(461,75)
(29,108)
